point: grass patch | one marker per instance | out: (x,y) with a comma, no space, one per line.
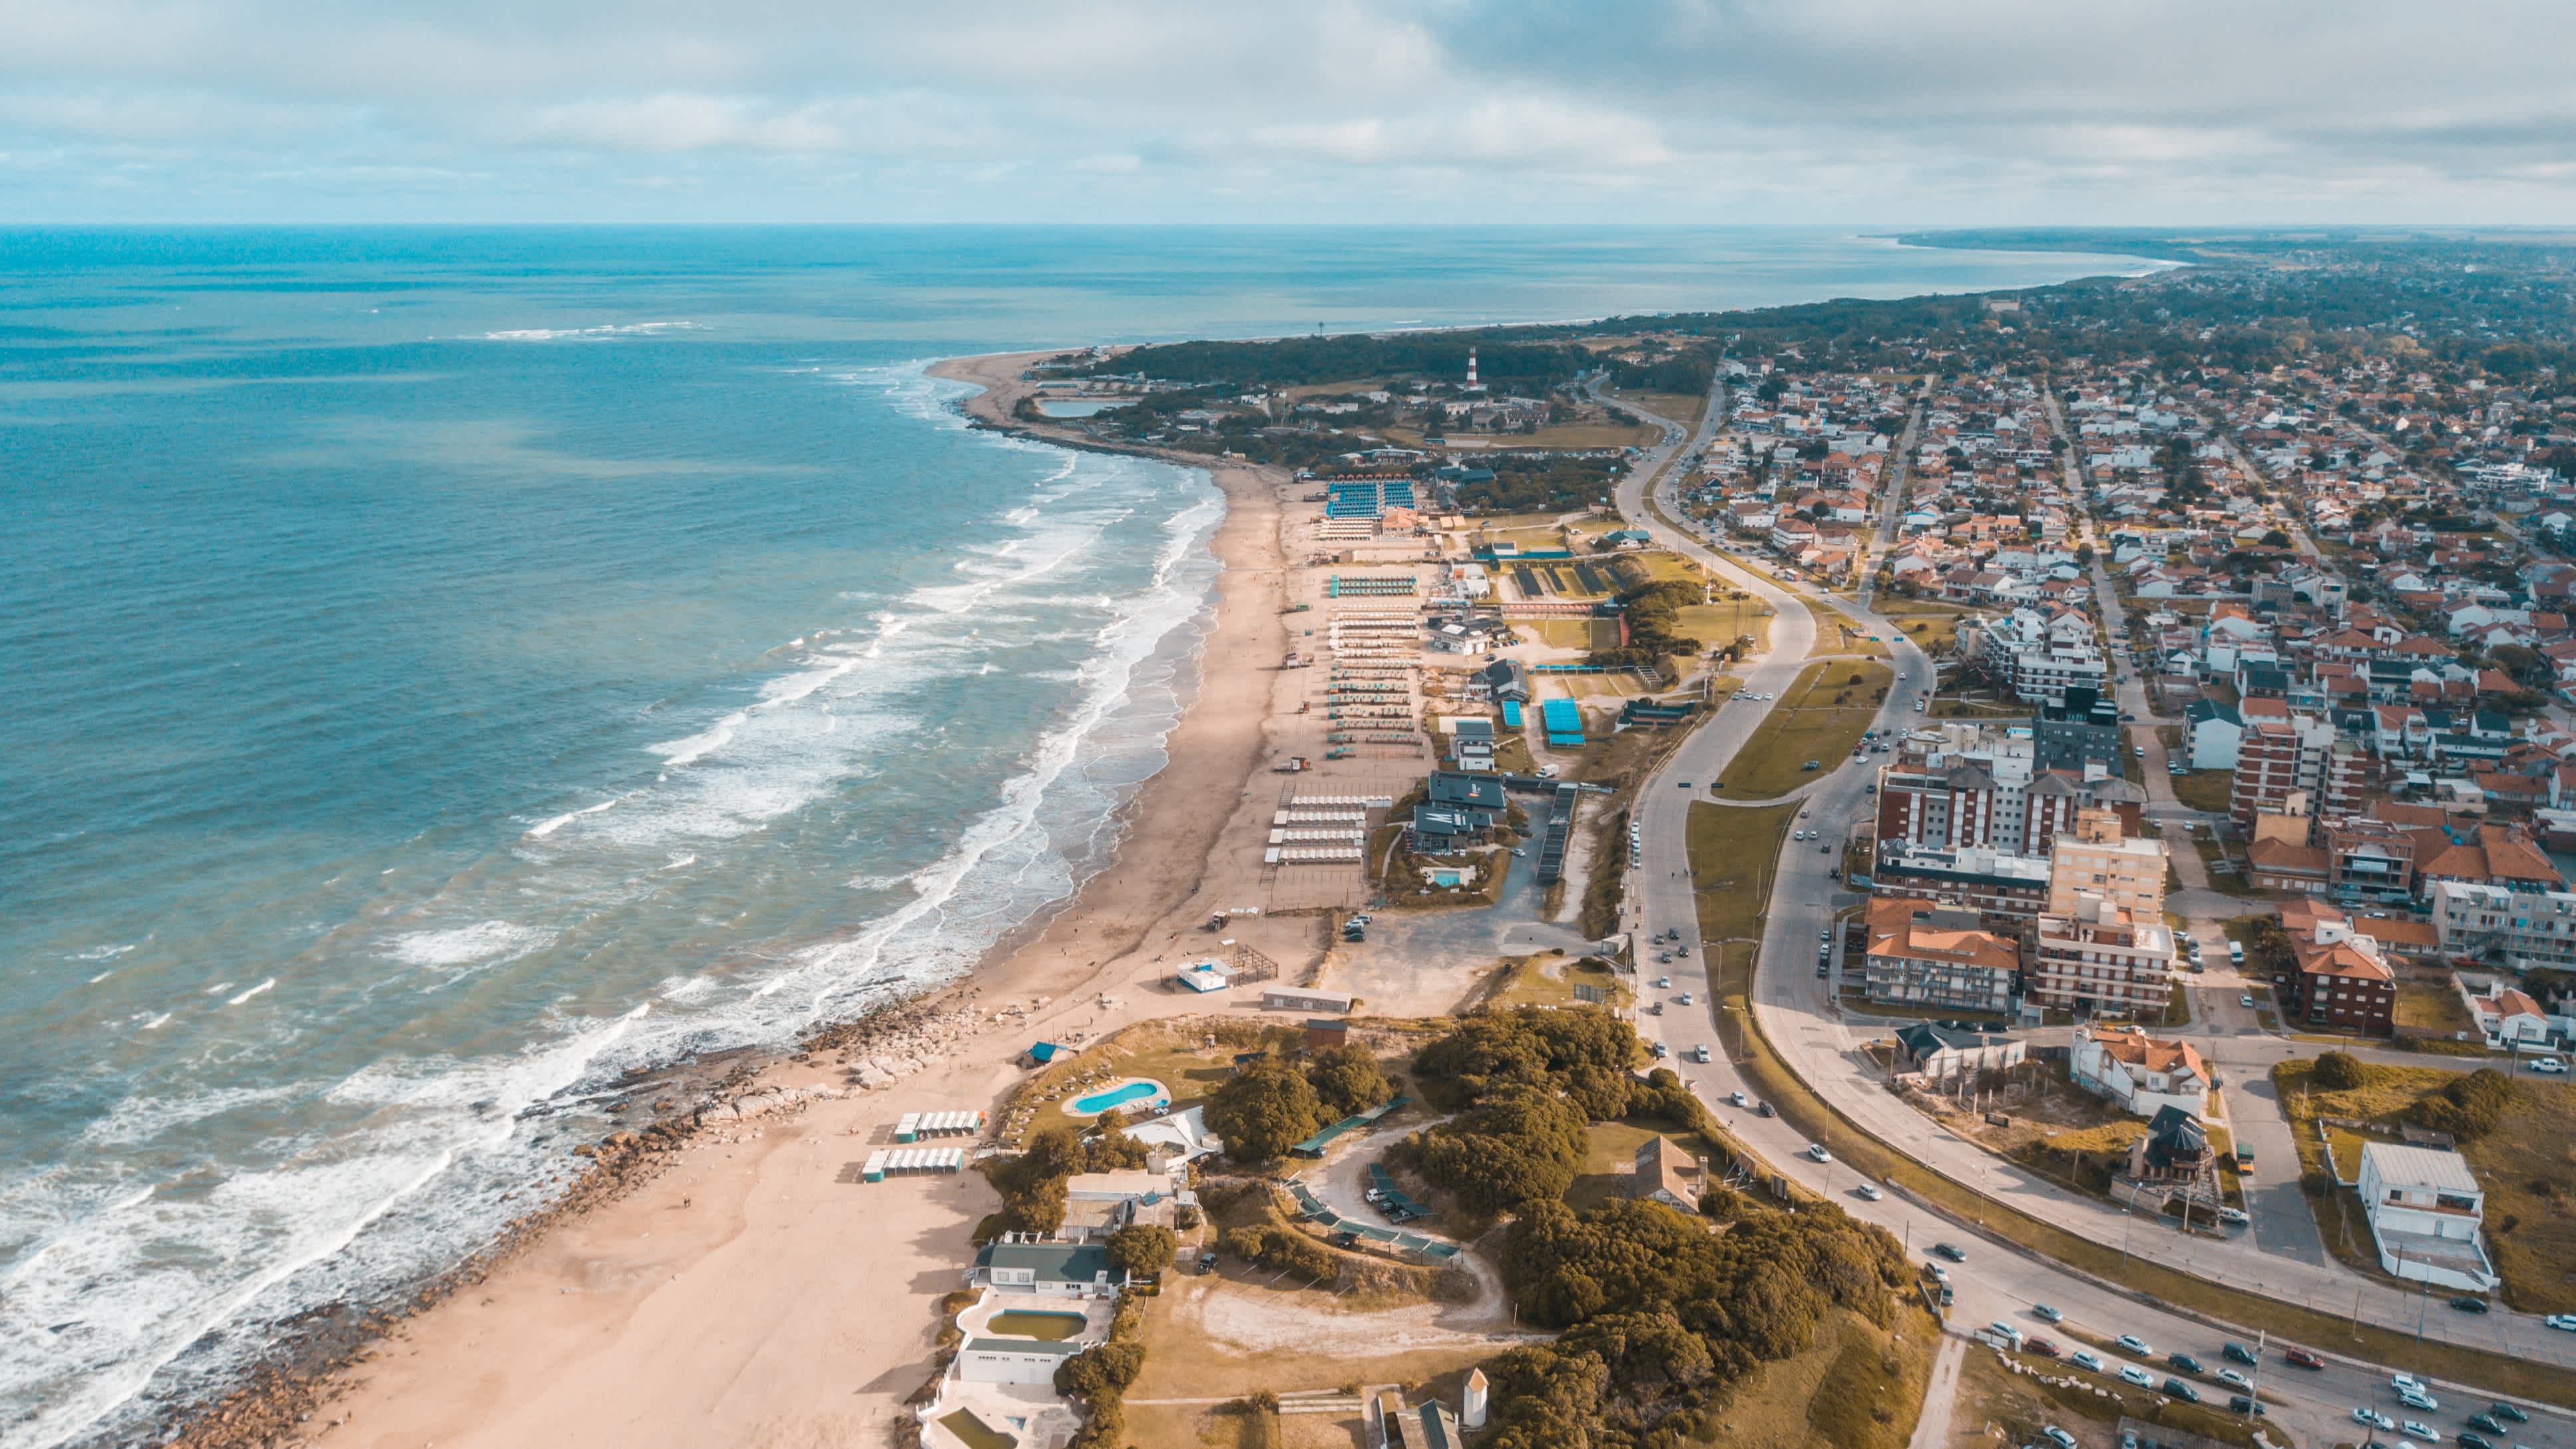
(974,1432)
(1820,718)
(2204,789)
(1550,981)
(2245,1312)
(2431,1007)
(2525,1165)
(1857,1386)
(1840,633)
(1733,855)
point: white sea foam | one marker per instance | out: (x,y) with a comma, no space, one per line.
(548,827)
(269,985)
(558,334)
(104,953)
(475,944)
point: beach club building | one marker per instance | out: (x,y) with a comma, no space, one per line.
(1047,1269)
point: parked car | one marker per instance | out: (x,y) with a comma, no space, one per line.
(2132,1374)
(2549,1064)
(2045,1348)
(2005,1331)
(2510,1413)
(2486,1422)
(2374,1419)
(2418,1399)
(2185,1362)
(2085,1358)
(2566,1321)
(2177,1389)
(2465,1303)
(2246,1000)
(2232,1377)
(2418,1429)
(2131,1343)
(2243,1404)
(2235,1352)
(2058,1437)
(2471,1439)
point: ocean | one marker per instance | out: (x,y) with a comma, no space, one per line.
(446,670)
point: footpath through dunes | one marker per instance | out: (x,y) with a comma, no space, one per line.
(751,1289)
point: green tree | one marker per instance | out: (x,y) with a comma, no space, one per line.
(1143,1249)
(2338,1072)
(1347,1080)
(1263,1110)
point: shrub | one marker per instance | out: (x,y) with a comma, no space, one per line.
(2466,1107)
(1522,1147)
(2338,1072)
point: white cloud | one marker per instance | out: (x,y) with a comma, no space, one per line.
(1789,110)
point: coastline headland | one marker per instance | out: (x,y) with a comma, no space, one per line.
(715,1277)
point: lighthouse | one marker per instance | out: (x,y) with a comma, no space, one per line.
(1472,384)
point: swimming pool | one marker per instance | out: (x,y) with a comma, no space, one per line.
(1021,1323)
(1132,1090)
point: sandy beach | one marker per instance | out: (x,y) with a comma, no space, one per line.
(743,1294)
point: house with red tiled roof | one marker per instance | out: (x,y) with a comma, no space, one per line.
(2144,1074)
(2336,980)
(2507,1017)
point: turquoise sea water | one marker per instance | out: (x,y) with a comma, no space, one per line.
(445,670)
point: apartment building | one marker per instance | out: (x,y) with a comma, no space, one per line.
(1961,786)
(2515,925)
(2295,766)
(2003,889)
(2337,980)
(2099,858)
(1937,958)
(2100,960)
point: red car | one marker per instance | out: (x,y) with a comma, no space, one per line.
(2301,1358)
(2040,1346)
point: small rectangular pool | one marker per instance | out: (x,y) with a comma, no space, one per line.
(1020,1323)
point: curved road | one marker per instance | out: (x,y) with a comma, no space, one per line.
(1792,1004)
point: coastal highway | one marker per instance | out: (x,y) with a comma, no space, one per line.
(1998,1281)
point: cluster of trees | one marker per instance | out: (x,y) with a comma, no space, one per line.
(1349,357)
(1275,1102)
(1525,1082)
(1660,1315)
(1537,483)
(1032,1184)
(1100,1374)
(1143,1249)
(1654,625)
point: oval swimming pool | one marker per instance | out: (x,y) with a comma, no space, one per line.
(1134,1089)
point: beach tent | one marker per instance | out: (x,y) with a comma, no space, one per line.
(1047,1051)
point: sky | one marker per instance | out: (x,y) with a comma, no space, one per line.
(1917,112)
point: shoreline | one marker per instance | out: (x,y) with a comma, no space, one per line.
(617,1291)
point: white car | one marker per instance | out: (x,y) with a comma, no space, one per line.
(2549,1064)
(1817,1151)
(2565,1321)
(2246,1000)
(2132,1374)
(2232,1377)
(2418,1429)
(2131,1343)
(1868,1192)
(2374,1419)
(2418,1399)
(2085,1358)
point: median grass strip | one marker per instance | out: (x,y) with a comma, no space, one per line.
(1820,718)
(1732,981)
